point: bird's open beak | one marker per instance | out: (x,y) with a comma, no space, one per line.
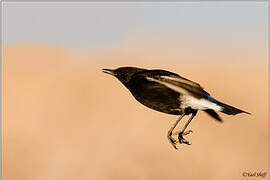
(108,71)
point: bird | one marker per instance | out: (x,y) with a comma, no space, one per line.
(170,93)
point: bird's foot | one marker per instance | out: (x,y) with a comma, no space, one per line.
(181,139)
(172,140)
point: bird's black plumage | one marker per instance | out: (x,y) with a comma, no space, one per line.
(170,93)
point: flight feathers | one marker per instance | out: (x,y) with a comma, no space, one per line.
(172,79)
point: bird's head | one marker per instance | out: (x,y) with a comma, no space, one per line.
(124,74)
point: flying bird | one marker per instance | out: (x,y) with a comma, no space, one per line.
(170,93)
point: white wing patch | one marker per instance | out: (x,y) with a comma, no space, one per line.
(181,80)
(188,100)
(171,86)
(195,103)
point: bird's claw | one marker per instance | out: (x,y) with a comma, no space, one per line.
(183,133)
(187,132)
(181,139)
(172,140)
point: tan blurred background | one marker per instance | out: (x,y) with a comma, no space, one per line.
(65,119)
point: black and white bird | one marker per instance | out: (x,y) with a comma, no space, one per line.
(170,93)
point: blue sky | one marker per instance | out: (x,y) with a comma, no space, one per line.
(86,25)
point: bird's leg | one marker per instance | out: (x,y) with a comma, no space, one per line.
(170,132)
(183,132)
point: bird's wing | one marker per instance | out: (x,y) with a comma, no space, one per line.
(174,82)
